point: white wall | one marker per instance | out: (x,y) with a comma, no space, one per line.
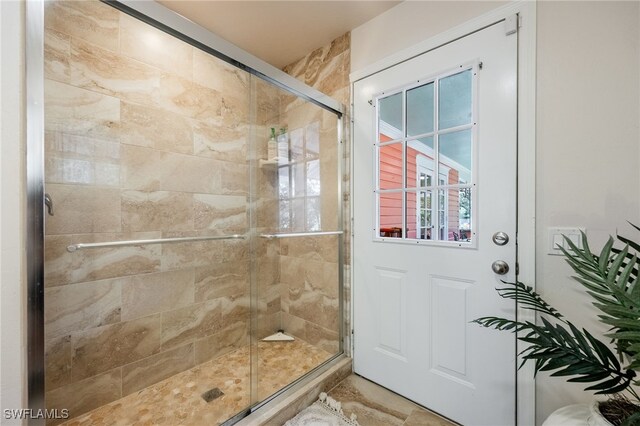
(588,137)
(407,24)
(12,210)
(588,142)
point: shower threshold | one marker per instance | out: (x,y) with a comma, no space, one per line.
(179,400)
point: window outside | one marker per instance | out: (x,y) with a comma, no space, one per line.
(426,131)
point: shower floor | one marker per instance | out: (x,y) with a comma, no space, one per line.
(178,399)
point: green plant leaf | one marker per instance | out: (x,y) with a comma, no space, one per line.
(633,420)
(605,254)
(612,280)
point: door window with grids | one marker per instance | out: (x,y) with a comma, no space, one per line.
(425,151)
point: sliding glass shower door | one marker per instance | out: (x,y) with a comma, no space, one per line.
(190,274)
(298,233)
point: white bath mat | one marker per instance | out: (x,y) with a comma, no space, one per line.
(324,412)
(278,337)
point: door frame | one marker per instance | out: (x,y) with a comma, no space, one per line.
(526,163)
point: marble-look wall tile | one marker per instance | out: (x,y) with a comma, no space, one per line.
(310,332)
(224,213)
(159,210)
(230,278)
(148,169)
(155,128)
(323,338)
(293,325)
(234,108)
(78,111)
(343,95)
(335,74)
(221,140)
(235,310)
(76,159)
(268,324)
(306,68)
(92,21)
(268,299)
(187,173)
(62,267)
(267,214)
(267,103)
(154,47)
(112,74)
(183,96)
(330,281)
(148,294)
(85,395)
(57,355)
(322,248)
(309,296)
(203,253)
(292,270)
(313,276)
(313,295)
(269,181)
(326,69)
(83,209)
(57,51)
(314,307)
(267,266)
(234,178)
(192,254)
(195,321)
(216,74)
(100,349)
(223,342)
(141,168)
(301,115)
(151,370)
(81,306)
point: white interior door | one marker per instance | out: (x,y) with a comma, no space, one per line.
(434,179)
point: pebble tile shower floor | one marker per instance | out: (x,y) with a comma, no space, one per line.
(178,399)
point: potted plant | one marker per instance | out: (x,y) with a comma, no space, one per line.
(611,278)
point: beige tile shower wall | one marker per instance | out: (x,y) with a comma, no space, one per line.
(146,137)
(309,268)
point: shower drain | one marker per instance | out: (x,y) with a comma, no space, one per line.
(212,394)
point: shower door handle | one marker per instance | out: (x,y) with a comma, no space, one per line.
(49,203)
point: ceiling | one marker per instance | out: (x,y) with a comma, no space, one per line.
(279,32)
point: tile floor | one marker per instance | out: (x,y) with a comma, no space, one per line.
(178,401)
(377,406)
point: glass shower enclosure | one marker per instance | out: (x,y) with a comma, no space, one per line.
(189,273)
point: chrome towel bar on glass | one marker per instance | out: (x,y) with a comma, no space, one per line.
(301,234)
(76,247)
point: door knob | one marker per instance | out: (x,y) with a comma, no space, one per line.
(500,267)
